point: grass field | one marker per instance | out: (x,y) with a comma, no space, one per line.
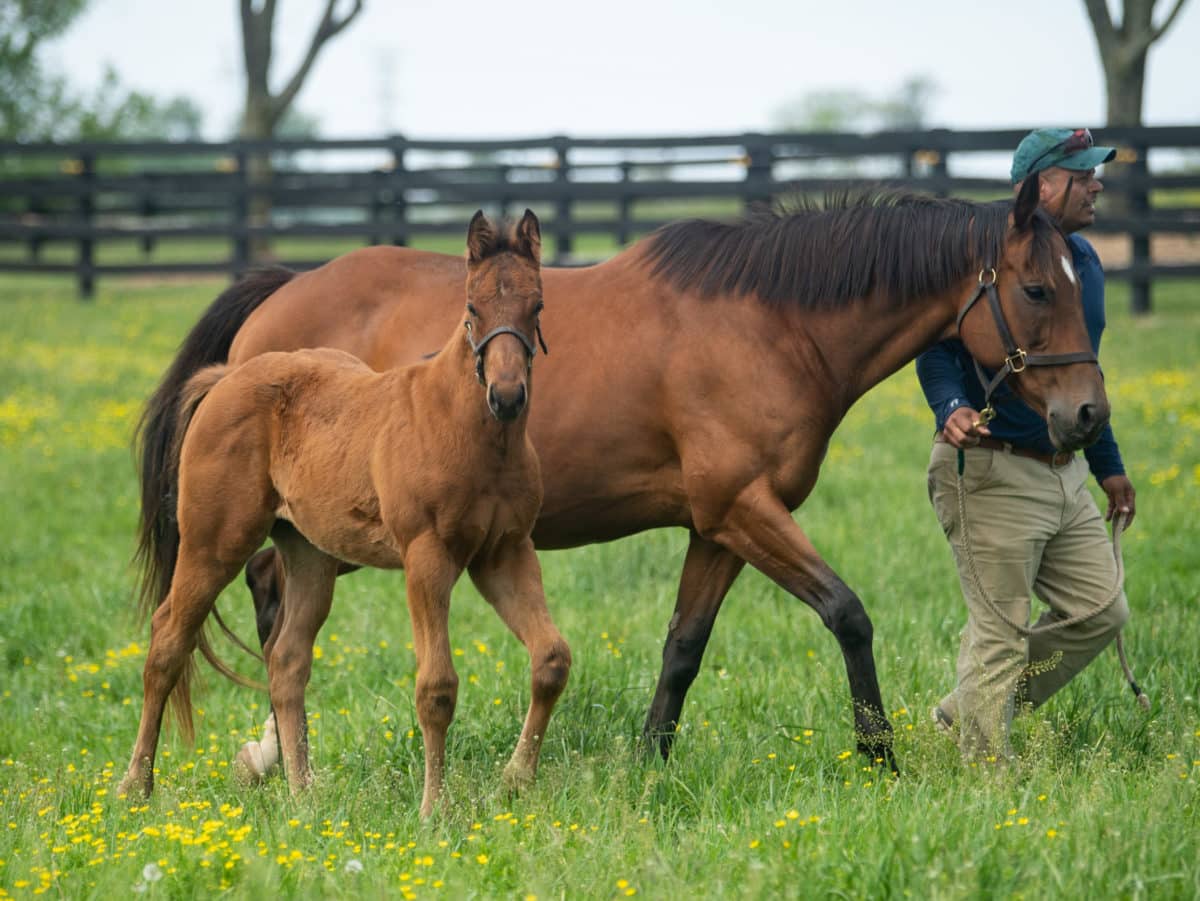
(763,796)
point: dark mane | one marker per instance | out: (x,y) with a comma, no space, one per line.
(905,244)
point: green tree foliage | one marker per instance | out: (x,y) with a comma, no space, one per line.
(40,105)
(25,90)
(850,110)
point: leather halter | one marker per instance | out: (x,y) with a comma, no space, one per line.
(530,349)
(1015,359)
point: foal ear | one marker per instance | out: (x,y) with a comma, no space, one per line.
(529,236)
(481,237)
(1027,201)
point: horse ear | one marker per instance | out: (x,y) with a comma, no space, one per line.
(481,237)
(529,236)
(1027,202)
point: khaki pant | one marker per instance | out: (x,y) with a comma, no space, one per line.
(1033,529)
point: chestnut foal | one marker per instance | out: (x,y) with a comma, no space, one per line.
(414,468)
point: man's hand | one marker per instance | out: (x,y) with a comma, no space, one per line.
(960,430)
(1120,498)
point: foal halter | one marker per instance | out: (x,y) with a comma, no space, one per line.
(530,349)
(1015,359)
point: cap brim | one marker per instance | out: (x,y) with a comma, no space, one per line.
(1087,159)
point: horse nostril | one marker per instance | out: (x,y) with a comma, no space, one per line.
(492,400)
(1087,415)
(519,402)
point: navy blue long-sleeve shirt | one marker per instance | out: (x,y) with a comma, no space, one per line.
(948,379)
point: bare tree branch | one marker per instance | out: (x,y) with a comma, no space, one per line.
(330,26)
(1168,22)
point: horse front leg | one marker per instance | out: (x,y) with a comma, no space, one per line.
(511,581)
(708,572)
(759,528)
(430,574)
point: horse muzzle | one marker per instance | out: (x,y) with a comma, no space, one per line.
(1073,428)
(509,402)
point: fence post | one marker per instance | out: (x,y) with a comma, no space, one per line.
(87,209)
(625,206)
(757,190)
(240,209)
(399,204)
(562,208)
(35,208)
(1138,206)
(146,209)
(941,171)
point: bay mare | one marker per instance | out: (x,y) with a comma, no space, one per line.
(426,467)
(696,380)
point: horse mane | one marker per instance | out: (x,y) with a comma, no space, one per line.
(813,256)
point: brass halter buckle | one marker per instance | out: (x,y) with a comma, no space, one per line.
(1016,363)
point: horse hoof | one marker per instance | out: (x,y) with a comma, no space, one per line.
(133,786)
(517,778)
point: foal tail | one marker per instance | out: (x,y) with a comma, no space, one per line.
(159,431)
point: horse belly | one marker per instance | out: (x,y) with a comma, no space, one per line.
(352,534)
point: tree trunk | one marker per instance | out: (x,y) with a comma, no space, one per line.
(264,110)
(1124,47)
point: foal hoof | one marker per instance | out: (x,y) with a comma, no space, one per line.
(251,765)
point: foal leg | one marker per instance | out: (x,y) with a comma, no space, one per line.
(759,528)
(708,572)
(174,630)
(430,574)
(512,583)
(306,603)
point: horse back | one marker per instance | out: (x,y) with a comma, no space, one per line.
(385,305)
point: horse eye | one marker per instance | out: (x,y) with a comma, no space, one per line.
(538,309)
(471,309)
(1034,292)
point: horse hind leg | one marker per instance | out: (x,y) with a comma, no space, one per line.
(512,584)
(174,634)
(267,581)
(308,595)
(265,578)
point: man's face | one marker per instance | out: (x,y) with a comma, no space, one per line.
(1070,196)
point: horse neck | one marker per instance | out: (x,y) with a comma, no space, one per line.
(865,348)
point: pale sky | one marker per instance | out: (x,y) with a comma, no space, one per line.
(531,68)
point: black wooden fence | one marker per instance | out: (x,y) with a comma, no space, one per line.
(61,205)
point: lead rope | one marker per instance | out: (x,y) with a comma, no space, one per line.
(1027,631)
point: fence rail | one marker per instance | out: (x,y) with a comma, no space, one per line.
(62,203)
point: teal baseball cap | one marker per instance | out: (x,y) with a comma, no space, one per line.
(1063,147)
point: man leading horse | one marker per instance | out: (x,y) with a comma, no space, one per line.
(1032,525)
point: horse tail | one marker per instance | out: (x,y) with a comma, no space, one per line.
(189,397)
(157,435)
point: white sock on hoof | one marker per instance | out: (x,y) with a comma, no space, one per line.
(260,757)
